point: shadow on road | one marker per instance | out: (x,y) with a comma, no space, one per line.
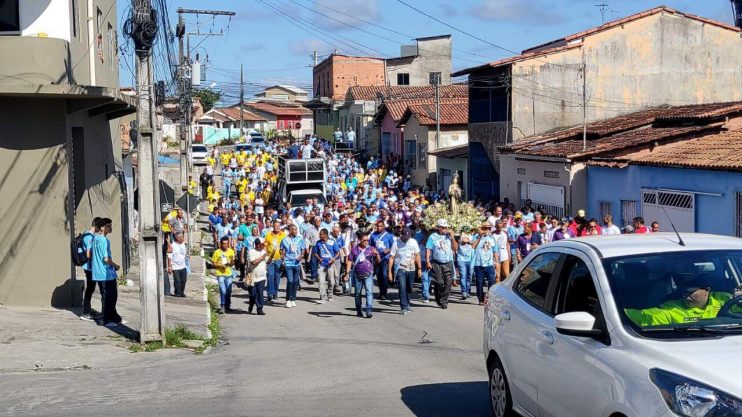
(459,399)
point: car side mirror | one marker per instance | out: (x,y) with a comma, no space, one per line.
(577,323)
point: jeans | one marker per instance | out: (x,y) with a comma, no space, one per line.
(404,281)
(166,280)
(180,276)
(89,290)
(442,280)
(313,268)
(293,275)
(109,294)
(482,273)
(274,278)
(426,283)
(256,295)
(225,290)
(382,276)
(466,271)
(359,283)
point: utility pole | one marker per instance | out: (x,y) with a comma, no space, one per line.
(437,111)
(315,58)
(152,323)
(584,102)
(242,102)
(603,9)
(184,106)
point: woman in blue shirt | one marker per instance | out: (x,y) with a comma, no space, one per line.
(486,260)
(464,258)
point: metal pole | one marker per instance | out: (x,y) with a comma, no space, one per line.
(242,102)
(584,102)
(152,323)
(437,111)
(182,109)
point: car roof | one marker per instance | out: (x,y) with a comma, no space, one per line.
(638,244)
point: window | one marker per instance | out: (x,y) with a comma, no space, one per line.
(577,290)
(111,45)
(628,211)
(10,20)
(434,78)
(551,174)
(533,282)
(279,124)
(403,79)
(606,208)
(98,19)
(409,153)
(522,171)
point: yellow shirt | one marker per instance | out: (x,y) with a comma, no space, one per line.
(225,259)
(251,195)
(225,157)
(242,185)
(244,198)
(273,244)
(165,226)
(192,187)
(211,160)
(241,158)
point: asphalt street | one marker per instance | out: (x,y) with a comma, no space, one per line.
(312,360)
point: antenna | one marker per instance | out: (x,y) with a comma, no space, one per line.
(680,239)
(603,9)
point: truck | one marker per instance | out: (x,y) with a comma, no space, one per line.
(299,180)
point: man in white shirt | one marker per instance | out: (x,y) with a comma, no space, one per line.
(403,262)
(259,272)
(609,229)
(177,255)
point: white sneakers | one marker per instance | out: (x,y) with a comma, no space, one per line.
(321,301)
(290,304)
(293,303)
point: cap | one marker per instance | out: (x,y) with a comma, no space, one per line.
(406,233)
(442,223)
(518,216)
(258,241)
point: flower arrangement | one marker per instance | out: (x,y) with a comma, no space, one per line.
(467,216)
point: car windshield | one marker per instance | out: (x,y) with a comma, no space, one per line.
(300,200)
(199,149)
(682,294)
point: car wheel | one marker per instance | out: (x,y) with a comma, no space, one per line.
(500,400)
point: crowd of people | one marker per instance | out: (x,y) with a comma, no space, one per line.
(368,232)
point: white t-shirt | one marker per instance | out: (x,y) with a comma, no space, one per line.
(502,242)
(404,253)
(178,256)
(610,230)
(260,270)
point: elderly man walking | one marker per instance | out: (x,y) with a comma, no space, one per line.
(440,248)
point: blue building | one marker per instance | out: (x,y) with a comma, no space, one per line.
(697,183)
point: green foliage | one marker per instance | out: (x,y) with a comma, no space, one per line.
(466,217)
(208,97)
(226,142)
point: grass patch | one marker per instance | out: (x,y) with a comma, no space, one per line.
(147,347)
(175,336)
(215,325)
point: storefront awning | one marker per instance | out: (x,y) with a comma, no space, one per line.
(461,151)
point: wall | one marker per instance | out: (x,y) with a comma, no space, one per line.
(509,177)
(388,125)
(660,59)
(333,76)
(713,214)
(35,177)
(433,55)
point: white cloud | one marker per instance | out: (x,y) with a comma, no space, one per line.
(518,11)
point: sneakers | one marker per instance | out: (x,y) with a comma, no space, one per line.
(260,312)
(87,317)
(321,301)
(288,304)
(123,321)
(293,303)
(426,301)
(402,312)
(330,299)
(221,310)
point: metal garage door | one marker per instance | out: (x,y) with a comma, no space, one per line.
(658,205)
(549,196)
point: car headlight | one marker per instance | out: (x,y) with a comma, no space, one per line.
(689,398)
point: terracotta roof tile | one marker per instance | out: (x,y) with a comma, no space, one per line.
(279,109)
(451,113)
(716,152)
(396,92)
(658,124)
(234,114)
(397,108)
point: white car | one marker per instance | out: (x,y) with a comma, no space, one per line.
(199,153)
(619,326)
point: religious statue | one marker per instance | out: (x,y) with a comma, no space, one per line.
(455,193)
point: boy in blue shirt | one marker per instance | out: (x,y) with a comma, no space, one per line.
(104,273)
(87,240)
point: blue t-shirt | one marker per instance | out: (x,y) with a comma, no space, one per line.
(101,250)
(222,230)
(382,242)
(465,252)
(326,251)
(87,244)
(293,248)
(485,252)
(440,246)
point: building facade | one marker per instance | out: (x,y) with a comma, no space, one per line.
(284,93)
(62,166)
(426,62)
(629,64)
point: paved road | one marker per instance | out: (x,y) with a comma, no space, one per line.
(312,360)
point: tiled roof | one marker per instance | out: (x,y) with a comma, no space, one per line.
(397,108)
(234,114)
(451,113)
(278,109)
(562,44)
(716,152)
(659,124)
(396,92)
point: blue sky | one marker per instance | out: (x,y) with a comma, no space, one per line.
(274,39)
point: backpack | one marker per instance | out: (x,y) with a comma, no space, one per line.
(79,254)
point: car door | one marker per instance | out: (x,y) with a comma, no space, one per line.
(524,321)
(575,381)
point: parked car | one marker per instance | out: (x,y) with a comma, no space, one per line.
(639,325)
(199,153)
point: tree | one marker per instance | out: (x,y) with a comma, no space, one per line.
(208,97)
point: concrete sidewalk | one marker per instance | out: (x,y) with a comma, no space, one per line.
(34,339)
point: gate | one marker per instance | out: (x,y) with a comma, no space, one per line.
(680,207)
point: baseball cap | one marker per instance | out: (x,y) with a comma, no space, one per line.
(442,223)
